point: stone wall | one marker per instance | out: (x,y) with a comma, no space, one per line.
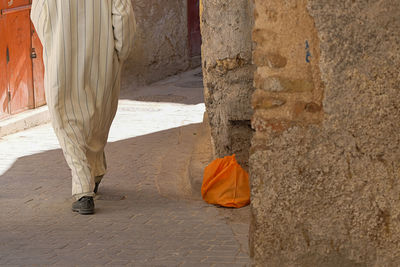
(161,45)
(325,159)
(228,74)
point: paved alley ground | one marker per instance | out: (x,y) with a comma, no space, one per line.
(146,212)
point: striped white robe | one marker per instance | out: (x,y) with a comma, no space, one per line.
(85,43)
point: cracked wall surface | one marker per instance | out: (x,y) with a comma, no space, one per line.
(228,74)
(161,44)
(325,159)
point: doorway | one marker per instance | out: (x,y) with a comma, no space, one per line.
(21,65)
(194,31)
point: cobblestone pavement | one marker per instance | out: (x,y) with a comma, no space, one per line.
(144,215)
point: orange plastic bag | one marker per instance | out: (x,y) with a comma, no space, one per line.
(226,183)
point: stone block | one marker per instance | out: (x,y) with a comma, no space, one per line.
(269,59)
(261,100)
(227,64)
(284,84)
(262,37)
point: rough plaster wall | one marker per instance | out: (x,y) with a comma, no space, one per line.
(326,178)
(228,74)
(161,46)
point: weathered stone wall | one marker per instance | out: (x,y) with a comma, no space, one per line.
(161,45)
(325,159)
(228,74)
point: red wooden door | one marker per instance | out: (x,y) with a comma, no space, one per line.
(19,65)
(194,27)
(14,3)
(38,70)
(21,79)
(3,69)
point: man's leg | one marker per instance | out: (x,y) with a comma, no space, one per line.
(99,167)
(82,178)
(74,153)
(82,185)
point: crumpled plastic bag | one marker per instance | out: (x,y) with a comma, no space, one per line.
(226,183)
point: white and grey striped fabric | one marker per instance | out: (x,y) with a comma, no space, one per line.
(85,43)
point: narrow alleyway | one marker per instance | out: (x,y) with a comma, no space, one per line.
(146,214)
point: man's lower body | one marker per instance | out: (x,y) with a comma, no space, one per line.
(81,114)
(83,148)
(86,184)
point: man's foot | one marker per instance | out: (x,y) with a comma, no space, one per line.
(85,205)
(96,187)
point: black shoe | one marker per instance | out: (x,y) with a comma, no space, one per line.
(85,205)
(96,187)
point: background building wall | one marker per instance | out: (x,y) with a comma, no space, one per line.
(161,45)
(325,162)
(228,74)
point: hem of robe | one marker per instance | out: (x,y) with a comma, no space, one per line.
(88,194)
